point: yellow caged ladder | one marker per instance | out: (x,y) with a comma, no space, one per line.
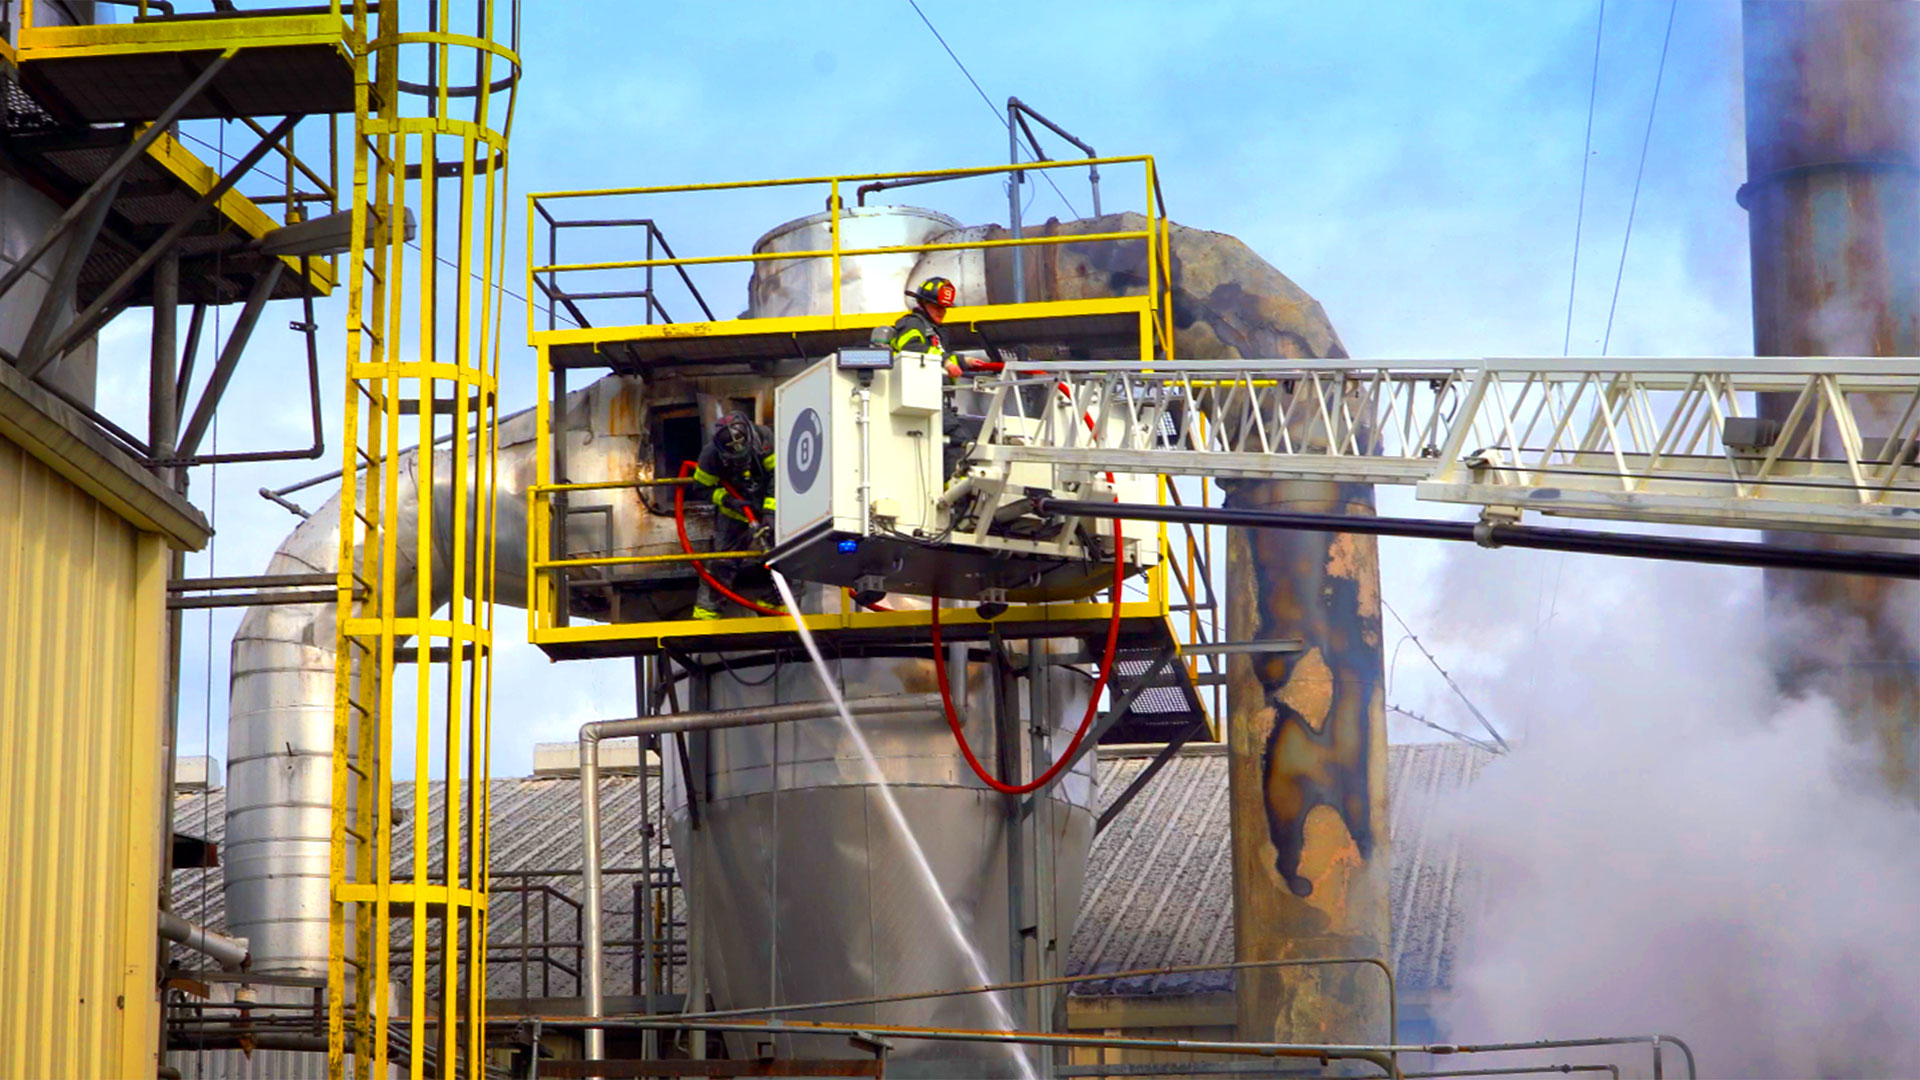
(422,362)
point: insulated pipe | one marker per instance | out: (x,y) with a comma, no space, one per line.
(1379,1055)
(1580,541)
(230,953)
(644,726)
(696,999)
(281,703)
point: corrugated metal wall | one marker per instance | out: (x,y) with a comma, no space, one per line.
(82,606)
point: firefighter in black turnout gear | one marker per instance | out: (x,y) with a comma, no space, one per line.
(735,474)
(918,331)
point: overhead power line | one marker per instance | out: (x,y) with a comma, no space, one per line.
(1659,74)
(1460,736)
(1033,154)
(1586,156)
(1454,686)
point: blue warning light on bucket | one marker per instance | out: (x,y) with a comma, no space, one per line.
(848,547)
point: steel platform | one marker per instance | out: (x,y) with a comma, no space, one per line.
(291,61)
(1143,626)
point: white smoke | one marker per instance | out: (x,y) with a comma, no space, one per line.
(1673,846)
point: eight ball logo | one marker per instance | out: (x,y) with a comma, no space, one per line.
(805,448)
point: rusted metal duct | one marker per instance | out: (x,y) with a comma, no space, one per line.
(1306,730)
(1833,204)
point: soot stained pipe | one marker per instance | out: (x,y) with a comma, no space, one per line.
(1581,541)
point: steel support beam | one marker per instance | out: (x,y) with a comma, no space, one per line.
(252,581)
(223,368)
(163,406)
(1153,768)
(253,599)
(1035,928)
(188,351)
(97,313)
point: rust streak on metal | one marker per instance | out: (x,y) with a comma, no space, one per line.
(1833,202)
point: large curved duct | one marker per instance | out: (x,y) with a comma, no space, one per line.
(281,698)
(1227,302)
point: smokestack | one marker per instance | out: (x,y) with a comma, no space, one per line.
(1308,748)
(1833,201)
(1306,730)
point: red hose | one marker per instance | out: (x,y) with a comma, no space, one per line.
(686,546)
(1086,722)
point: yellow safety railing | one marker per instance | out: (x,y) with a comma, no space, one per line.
(543,570)
(269,22)
(145,8)
(544,591)
(1155,234)
(548,625)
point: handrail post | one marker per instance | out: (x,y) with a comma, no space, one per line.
(1014,179)
(833,222)
(590,884)
(1166,255)
(533,558)
(1153,259)
(533,207)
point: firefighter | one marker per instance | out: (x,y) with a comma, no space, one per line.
(918,331)
(739,458)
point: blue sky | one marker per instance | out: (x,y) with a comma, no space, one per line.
(1414,165)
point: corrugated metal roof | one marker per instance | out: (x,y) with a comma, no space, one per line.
(1159,886)
(1160,877)
(535,827)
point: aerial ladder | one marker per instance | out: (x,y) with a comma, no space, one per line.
(1672,440)
(1090,419)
